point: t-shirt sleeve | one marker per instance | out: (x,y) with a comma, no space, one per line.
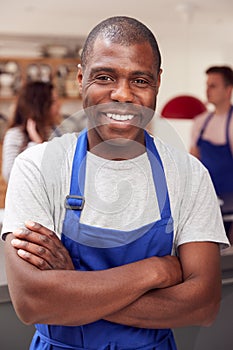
(12,146)
(200,215)
(26,197)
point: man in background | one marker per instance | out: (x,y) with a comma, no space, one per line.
(212,133)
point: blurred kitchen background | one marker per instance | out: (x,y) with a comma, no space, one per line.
(192,34)
(43,38)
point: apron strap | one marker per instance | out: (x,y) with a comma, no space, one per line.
(228,126)
(79,165)
(158,176)
(75,200)
(205,124)
(53,342)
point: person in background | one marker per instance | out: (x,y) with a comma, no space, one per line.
(124,232)
(3,126)
(36,115)
(212,133)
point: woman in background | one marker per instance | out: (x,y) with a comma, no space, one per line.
(36,116)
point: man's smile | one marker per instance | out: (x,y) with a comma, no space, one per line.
(120,117)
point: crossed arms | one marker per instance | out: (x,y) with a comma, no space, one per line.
(158,292)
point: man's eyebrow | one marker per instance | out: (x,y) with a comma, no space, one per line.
(102,69)
(134,73)
(143,73)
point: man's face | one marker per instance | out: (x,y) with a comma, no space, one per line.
(119,87)
(216,90)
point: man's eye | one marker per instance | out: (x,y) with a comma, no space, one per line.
(103,78)
(141,82)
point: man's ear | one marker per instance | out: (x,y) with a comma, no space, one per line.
(80,78)
(159,79)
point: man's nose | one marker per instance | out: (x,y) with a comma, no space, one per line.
(122,92)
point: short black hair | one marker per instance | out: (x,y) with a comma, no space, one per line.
(225,71)
(124,31)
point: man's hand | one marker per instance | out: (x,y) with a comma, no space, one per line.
(41,247)
(167,271)
(32,131)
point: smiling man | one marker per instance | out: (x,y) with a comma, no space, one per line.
(124,233)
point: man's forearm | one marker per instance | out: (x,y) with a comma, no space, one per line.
(181,305)
(38,295)
(195,301)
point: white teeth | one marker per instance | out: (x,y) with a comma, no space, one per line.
(120,116)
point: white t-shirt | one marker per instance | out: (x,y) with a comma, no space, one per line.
(118,194)
(13,143)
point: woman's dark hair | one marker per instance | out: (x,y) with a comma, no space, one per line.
(124,31)
(34,101)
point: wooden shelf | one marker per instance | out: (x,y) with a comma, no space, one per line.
(7,98)
(64,81)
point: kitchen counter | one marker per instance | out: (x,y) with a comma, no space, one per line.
(13,333)
(4,293)
(227,266)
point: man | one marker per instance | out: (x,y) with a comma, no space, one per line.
(138,253)
(212,134)
(212,137)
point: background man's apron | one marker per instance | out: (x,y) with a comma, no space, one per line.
(218,159)
(94,248)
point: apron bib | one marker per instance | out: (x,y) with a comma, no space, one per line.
(94,248)
(218,159)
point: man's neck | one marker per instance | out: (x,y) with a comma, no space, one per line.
(222,108)
(118,152)
(116,148)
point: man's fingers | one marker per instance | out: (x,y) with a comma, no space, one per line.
(36,227)
(33,253)
(57,258)
(34,260)
(37,243)
(31,236)
(27,246)
(36,233)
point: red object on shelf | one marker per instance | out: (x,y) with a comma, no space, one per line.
(183,107)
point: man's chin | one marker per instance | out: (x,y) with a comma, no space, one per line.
(119,141)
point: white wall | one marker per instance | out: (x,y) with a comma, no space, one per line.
(185,57)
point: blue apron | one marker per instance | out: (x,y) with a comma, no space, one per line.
(94,248)
(218,159)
